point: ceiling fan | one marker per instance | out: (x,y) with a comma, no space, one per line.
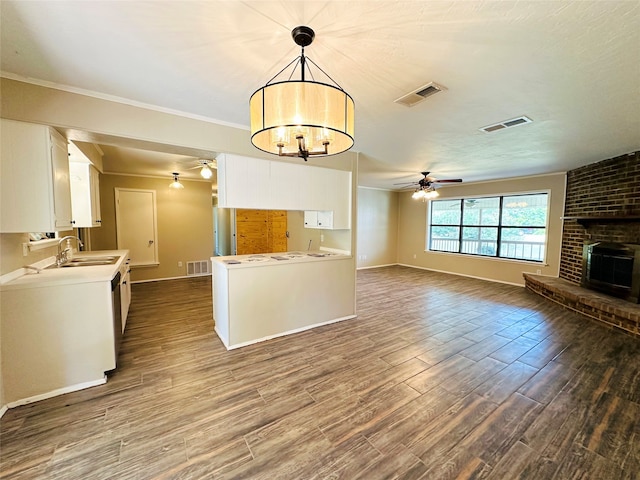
(425,187)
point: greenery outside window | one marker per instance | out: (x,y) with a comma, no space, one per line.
(513,226)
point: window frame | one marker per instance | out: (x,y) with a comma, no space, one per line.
(499,227)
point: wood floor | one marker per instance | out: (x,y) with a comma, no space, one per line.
(439,377)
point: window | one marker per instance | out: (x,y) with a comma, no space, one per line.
(513,226)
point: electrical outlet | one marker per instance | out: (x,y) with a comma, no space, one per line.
(321,238)
(414,255)
(179,264)
(538,272)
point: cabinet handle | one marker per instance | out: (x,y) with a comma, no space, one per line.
(73,222)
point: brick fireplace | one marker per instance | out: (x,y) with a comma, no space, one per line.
(602,205)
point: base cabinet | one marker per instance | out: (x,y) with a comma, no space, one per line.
(55,339)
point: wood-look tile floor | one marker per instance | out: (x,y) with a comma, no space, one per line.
(438,377)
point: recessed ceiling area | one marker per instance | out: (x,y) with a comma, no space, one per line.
(571,66)
(138,157)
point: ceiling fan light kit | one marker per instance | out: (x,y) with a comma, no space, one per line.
(302,118)
(426,189)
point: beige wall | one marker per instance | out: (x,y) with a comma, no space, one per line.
(412,231)
(377,227)
(185,223)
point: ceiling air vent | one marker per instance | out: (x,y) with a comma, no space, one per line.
(514,122)
(420,94)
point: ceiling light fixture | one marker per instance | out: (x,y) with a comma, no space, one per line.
(176,182)
(425,193)
(302,118)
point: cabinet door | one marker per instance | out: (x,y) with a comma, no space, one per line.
(94,183)
(243,182)
(325,219)
(85,194)
(310,219)
(61,182)
(34,179)
(340,199)
(285,185)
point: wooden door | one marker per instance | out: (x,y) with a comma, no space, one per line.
(260,231)
(136,225)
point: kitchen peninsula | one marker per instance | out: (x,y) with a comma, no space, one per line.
(258,297)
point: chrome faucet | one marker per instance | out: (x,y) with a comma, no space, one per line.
(62,256)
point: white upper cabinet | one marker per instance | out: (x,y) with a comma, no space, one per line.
(245,182)
(35,194)
(286,189)
(85,194)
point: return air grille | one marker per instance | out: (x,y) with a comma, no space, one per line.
(199,267)
(420,94)
(514,122)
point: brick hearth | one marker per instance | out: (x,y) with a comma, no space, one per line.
(616,313)
(602,204)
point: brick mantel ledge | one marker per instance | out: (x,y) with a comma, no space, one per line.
(614,312)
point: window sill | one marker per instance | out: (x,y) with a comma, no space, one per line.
(487,257)
(39,244)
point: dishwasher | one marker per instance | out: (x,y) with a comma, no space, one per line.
(116,307)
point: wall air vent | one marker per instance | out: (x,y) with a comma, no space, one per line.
(199,267)
(514,122)
(420,94)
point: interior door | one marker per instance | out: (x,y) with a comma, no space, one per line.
(136,225)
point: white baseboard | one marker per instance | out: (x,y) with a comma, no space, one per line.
(171,278)
(3,410)
(463,275)
(55,393)
(289,332)
(377,266)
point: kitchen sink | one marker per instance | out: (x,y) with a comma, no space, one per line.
(87,262)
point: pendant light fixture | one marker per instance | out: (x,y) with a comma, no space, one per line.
(302,118)
(176,182)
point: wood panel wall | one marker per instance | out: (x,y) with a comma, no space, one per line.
(261,231)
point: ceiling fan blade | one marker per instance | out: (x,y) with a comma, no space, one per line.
(451,180)
(406,183)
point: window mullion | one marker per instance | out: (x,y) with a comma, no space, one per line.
(499,240)
(461,223)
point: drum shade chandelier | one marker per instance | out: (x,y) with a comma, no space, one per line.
(302,118)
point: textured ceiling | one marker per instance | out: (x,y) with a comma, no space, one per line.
(571,66)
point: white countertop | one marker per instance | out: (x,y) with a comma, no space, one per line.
(68,276)
(282,258)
